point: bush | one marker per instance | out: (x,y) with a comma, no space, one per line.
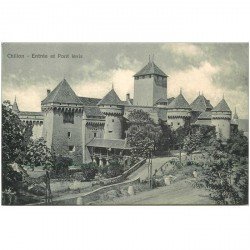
(61,166)
(89,171)
(112,170)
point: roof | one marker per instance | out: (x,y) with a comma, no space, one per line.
(206,115)
(179,103)
(111,99)
(88,101)
(170,99)
(222,106)
(201,104)
(93,112)
(63,93)
(30,113)
(108,143)
(162,100)
(15,106)
(151,69)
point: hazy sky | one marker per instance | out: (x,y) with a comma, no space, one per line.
(211,68)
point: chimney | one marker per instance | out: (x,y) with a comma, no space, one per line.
(48,92)
(127,97)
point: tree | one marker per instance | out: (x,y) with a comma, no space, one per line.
(38,154)
(15,136)
(225,175)
(143,134)
(192,142)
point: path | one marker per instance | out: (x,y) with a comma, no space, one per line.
(179,193)
(142,172)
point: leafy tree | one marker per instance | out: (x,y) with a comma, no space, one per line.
(143,134)
(15,136)
(224,174)
(38,154)
(168,138)
(192,142)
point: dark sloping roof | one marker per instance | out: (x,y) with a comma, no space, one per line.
(63,93)
(179,103)
(206,115)
(222,106)
(108,143)
(162,100)
(170,99)
(151,69)
(88,101)
(111,99)
(93,112)
(201,104)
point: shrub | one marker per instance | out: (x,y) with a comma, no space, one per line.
(115,168)
(89,171)
(61,166)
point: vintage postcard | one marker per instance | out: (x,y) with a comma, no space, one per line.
(125,123)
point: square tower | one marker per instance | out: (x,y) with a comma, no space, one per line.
(150,85)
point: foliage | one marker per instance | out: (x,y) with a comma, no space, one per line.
(38,154)
(60,167)
(113,169)
(89,170)
(167,139)
(192,142)
(15,136)
(224,174)
(143,134)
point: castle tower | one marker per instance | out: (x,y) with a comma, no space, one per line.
(15,108)
(111,106)
(236,118)
(178,112)
(150,85)
(62,128)
(221,119)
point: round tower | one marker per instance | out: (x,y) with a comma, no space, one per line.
(221,119)
(178,112)
(111,106)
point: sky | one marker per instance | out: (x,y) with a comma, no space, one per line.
(214,69)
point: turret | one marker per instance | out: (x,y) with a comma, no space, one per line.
(178,112)
(150,84)
(62,128)
(235,118)
(221,119)
(112,107)
(15,108)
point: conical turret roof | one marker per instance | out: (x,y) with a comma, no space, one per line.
(222,106)
(151,69)
(201,104)
(179,103)
(63,93)
(15,106)
(110,99)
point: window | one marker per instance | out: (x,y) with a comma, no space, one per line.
(69,135)
(94,134)
(113,120)
(71,149)
(110,131)
(68,117)
(178,123)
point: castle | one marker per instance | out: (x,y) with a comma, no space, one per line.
(91,129)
